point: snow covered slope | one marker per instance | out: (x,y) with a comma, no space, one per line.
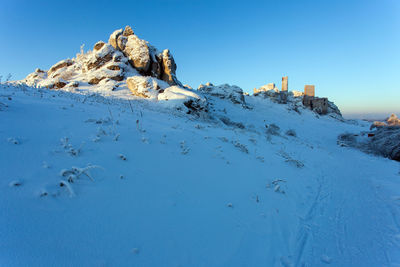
(89,180)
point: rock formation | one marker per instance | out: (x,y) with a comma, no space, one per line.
(224,91)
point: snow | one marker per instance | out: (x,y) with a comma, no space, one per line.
(191,191)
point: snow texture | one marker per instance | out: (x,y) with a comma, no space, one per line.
(177,189)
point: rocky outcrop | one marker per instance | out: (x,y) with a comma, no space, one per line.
(382,139)
(168,67)
(224,91)
(59,66)
(392,120)
(144,57)
(114,38)
(386,141)
(138,52)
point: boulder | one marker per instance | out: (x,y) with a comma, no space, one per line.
(121,42)
(59,65)
(146,87)
(99,45)
(114,37)
(178,97)
(99,57)
(138,53)
(224,91)
(128,31)
(168,67)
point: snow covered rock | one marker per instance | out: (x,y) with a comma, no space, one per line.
(386,141)
(175,96)
(393,120)
(59,67)
(168,66)
(147,87)
(224,91)
(108,65)
(114,37)
(144,57)
(137,50)
(35,77)
(267,90)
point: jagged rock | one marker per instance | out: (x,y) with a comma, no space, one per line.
(100,57)
(138,52)
(144,57)
(393,120)
(121,42)
(59,65)
(224,91)
(99,45)
(114,37)
(128,31)
(168,66)
(155,67)
(146,87)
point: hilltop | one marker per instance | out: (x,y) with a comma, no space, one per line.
(108,160)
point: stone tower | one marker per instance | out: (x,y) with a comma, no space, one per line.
(285,85)
(309,90)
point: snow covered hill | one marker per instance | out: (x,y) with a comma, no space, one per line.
(92,179)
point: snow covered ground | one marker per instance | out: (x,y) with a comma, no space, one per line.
(170,189)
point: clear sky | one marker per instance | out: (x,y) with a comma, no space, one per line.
(349,49)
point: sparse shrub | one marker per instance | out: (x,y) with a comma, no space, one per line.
(291,132)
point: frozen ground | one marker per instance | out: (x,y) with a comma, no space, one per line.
(173,190)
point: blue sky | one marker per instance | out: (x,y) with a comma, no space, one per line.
(349,49)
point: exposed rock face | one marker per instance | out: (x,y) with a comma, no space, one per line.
(59,65)
(144,57)
(114,37)
(393,120)
(168,66)
(138,52)
(224,91)
(386,141)
(128,31)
